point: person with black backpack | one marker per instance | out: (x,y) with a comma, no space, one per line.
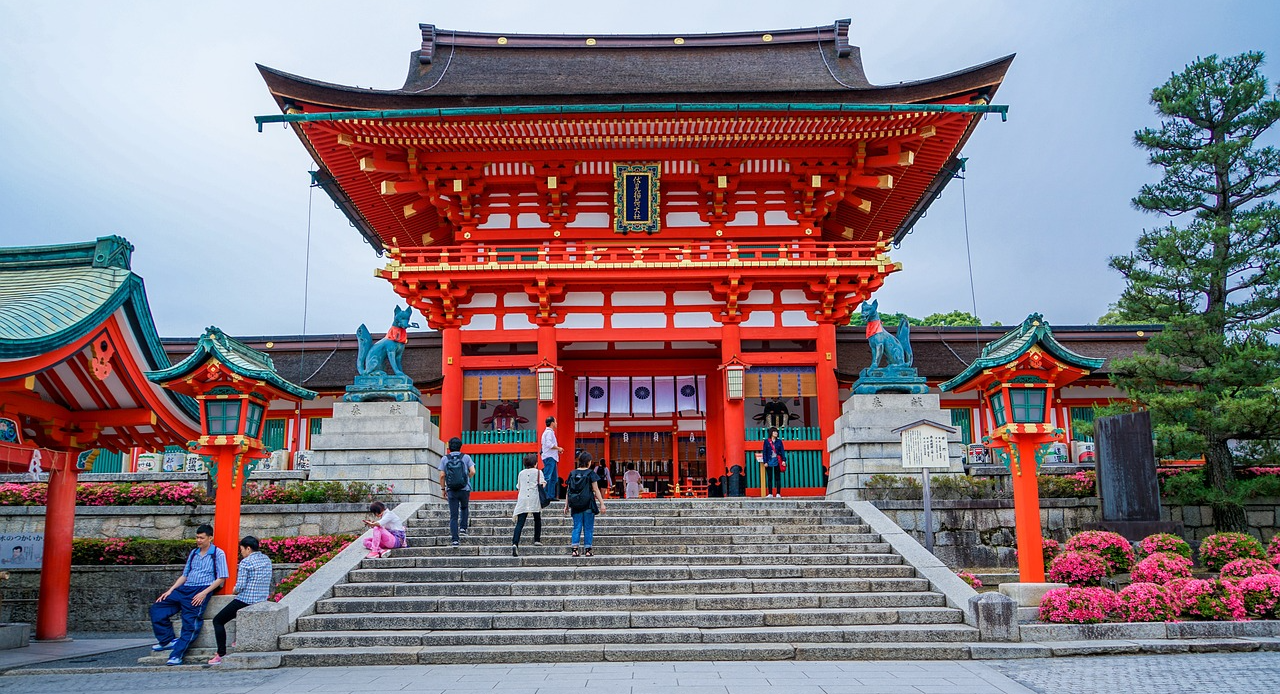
(456,471)
(583,499)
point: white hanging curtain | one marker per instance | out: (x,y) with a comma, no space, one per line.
(598,395)
(619,395)
(642,396)
(664,395)
(687,394)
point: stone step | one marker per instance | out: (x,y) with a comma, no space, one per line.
(888,633)
(911,597)
(603,572)
(562,536)
(562,558)
(750,517)
(927,609)
(676,547)
(505,526)
(602,588)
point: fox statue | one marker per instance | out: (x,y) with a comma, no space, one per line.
(370,355)
(896,351)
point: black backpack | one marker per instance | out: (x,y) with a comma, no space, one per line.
(455,472)
(579,495)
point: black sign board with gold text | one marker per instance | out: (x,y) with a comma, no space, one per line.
(636,198)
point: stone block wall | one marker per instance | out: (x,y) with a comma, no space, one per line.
(103,598)
(180,522)
(980,533)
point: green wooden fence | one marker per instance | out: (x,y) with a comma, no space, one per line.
(785,433)
(962,419)
(273,434)
(108,461)
(499,436)
(804,469)
(496,472)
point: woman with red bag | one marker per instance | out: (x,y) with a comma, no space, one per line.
(775,463)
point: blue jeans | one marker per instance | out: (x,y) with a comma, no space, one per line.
(179,601)
(549,474)
(459,504)
(584,527)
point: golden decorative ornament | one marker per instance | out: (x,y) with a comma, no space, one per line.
(556,233)
(466,235)
(679,42)
(719,232)
(591,42)
(1141,333)
(808,232)
(767,38)
(502,40)
(270,345)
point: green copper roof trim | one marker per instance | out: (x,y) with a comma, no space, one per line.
(235,355)
(629,108)
(1034,331)
(83,284)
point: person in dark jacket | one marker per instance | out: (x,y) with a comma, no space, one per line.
(775,456)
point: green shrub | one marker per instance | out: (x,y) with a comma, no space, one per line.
(143,551)
(893,487)
(333,492)
(965,487)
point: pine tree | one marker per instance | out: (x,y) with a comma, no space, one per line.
(1212,274)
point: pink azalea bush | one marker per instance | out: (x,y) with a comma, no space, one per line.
(1244,568)
(302,573)
(1273,549)
(1112,547)
(302,548)
(1261,595)
(973,581)
(1160,568)
(1078,568)
(1222,548)
(109,494)
(1210,600)
(1078,605)
(1050,548)
(1168,543)
(1147,602)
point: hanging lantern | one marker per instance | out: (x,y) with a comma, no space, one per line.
(734,372)
(546,372)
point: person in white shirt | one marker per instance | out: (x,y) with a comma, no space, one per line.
(528,502)
(388,531)
(550,457)
(631,480)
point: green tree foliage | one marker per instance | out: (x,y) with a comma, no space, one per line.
(954,318)
(1211,276)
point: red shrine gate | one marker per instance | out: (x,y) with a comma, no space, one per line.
(639,209)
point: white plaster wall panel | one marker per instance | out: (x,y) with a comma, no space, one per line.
(530,220)
(589,220)
(496,221)
(1100,392)
(743,218)
(777,218)
(697,319)
(758,296)
(693,298)
(681,220)
(582,299)
(761,319)
(692,345)
(796,319)
(482,321)
(656,321)
(792,296)
(516,299)
(640,345)
(481,301)
(516,321)
(582,320)
(639,298)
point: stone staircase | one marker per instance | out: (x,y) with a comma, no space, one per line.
(670,580)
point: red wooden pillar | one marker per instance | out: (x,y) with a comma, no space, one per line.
(548,354)
(566,421)
(226,512)
(734,410)
(55,568)
(828,388)
(451,390)
(714,428)
(1026,505)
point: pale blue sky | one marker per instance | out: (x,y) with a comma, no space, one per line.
(137,119)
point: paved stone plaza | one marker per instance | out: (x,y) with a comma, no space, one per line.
(1233,672)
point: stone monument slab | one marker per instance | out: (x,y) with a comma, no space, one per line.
(865,442)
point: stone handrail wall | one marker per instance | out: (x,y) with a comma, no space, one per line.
(180,522)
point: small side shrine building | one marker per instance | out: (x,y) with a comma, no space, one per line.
(651,238)
(76,337)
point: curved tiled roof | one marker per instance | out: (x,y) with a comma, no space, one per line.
(1034,331)
(235,355)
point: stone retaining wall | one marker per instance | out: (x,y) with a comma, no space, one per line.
(980,532)
(103,598)
(180,522)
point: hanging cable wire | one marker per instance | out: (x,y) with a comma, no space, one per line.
(968,252)
(306,292)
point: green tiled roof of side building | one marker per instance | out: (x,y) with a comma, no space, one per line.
(1034,330)
(235,355)
(51,296)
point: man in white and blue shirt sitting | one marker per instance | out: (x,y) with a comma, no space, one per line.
(253,585)
(204,572)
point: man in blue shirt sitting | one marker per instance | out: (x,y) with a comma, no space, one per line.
(204,572)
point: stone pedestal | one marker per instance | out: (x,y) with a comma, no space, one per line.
(382,443)
(864,443)
(206,643)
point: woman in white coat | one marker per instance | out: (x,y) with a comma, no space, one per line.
(528,501)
